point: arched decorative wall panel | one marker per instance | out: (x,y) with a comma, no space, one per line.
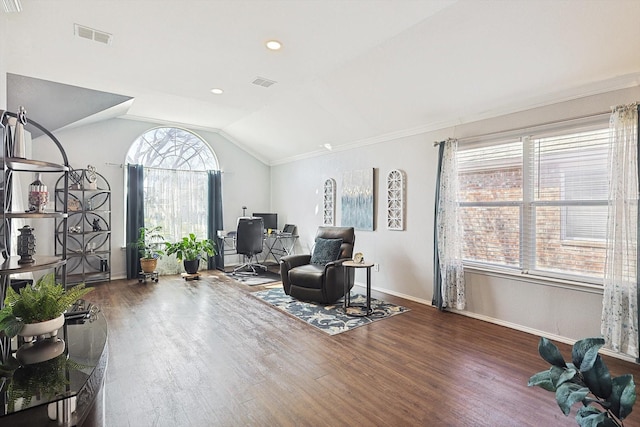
(329,204)
(395,200)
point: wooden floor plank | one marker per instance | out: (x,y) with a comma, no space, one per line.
(207,353)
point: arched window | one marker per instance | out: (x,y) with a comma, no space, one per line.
(172,148)
(176,165)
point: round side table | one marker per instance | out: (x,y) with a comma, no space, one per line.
(366,309)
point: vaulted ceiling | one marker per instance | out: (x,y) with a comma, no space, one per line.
(349,72)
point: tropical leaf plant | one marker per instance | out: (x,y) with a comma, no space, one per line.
(43,301)
(586,379)
(189,248)
(150,242)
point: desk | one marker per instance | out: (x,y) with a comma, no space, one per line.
(226,246)
(278,245)
(347,293)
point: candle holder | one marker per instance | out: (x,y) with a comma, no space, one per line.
(26,245)
(38,195)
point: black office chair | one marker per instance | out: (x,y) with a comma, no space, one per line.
(249,243)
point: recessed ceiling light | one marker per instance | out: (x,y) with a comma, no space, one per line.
(273,45)
(217,91)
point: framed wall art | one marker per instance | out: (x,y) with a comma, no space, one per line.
(357,199)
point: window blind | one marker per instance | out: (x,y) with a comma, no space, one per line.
(569,208)
(490,181)
(537,203)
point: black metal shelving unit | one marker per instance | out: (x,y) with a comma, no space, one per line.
(88,227)
(12,165)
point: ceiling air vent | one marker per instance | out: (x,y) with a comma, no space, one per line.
(261,81)
(91,34)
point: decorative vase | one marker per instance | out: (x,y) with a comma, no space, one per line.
(41,330)
(18,143)
(38,195)
(26,245)
(92,177)
(148,265)
(191,266)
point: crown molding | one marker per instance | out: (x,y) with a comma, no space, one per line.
(583,91)
(244,148)
(219,131)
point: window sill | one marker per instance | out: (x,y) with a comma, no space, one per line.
(534,279)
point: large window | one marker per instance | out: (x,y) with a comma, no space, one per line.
(175,184)
(537,203)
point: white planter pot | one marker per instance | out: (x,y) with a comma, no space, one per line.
(46,329)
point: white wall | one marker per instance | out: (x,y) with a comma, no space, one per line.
(3,61)
(406,252)
(406,257)
(245,180)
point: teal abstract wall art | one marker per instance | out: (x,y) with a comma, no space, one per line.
(357,199)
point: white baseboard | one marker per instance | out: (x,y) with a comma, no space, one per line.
(517,327)
(394,293)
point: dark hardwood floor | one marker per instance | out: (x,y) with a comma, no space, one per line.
(207,353)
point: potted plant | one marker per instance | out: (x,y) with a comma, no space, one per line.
(149,244)
(190,250)
(606,401)
(38,310)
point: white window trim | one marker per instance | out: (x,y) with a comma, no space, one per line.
(516,274)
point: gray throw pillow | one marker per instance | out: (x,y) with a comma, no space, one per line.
(326,250)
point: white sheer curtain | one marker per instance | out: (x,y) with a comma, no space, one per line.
(450,231)
(620,301)
(176,200)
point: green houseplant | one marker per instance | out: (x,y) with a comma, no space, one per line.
(42,302)
(190,250)
(606,401)
(150,246)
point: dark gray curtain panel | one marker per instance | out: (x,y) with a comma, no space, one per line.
(437,300)
(135,216)
(215,217)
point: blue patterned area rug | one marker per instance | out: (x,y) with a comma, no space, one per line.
(262,278)
(328,318)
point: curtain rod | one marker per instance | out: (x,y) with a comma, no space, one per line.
(120,165)
(555,122)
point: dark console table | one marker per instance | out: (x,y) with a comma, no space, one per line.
(66,390)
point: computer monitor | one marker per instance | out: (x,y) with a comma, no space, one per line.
(270,220)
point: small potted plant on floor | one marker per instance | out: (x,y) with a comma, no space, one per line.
(190,250)
(150,245)
(38,310)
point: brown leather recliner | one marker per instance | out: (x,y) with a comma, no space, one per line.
(323,283)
